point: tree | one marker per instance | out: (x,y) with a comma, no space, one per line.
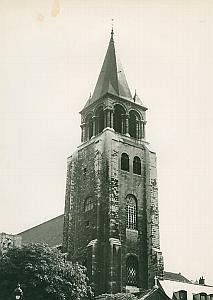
(43,273)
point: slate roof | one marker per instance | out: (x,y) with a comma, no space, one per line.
(111,79)
(49,232)
(151,294)
(172,286)
(175,277)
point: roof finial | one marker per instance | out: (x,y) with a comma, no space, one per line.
(112,31)
(156,282)
(135,95)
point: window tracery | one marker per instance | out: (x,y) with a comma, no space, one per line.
(131,212)
(132,270)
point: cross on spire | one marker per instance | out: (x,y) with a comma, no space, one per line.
(112,30)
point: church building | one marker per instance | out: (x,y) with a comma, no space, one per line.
(111,220)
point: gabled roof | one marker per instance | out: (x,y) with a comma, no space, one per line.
(153,294)
(49,232)
(111,79)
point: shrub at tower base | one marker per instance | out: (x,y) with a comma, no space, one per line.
(43,273)
(118,296)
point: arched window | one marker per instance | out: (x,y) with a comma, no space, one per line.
(137,165)
(132,270)
(134,128)
(124,162)
(131,212)
(100,120)
(88,204)
(119,112)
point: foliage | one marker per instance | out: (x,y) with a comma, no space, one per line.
(120,296)
(43,273)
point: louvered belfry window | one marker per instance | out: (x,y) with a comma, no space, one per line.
(132,270)
(131,212)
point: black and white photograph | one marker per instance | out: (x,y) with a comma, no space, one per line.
(106,119)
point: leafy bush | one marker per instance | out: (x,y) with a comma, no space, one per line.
(43,273)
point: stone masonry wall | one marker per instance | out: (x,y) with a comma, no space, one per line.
(86,232)
(155,259)
(99,237)
(133,241)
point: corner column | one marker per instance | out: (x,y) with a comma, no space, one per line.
(94,125)
(83,132)
(137,129)
(114,283)
(125,124)
(143,129)
(140,130)
(94,265)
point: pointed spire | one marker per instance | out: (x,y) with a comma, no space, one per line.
(111,79)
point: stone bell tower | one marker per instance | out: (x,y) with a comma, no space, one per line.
(111,220)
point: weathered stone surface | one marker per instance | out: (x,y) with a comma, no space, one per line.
(98,236)
(95,171)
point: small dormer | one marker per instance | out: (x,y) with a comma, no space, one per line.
(180,295)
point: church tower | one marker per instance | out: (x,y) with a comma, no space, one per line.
(111,220)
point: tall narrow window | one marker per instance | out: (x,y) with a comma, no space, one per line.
(131,212)
(132,270)
(118,118)
(125,162)
(137,165)
(134,127)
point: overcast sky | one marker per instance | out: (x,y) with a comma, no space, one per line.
(50,56)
